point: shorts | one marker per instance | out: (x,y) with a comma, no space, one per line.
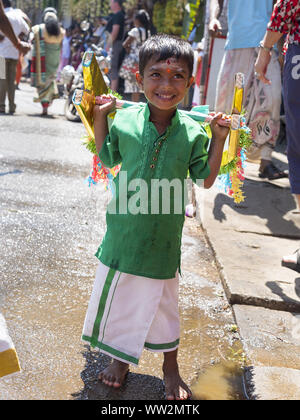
(127,313)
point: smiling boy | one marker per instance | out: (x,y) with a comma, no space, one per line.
(134,303)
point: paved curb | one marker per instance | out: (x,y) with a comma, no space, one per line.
(248,242)
(266,383)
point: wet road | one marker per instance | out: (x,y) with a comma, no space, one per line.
(51,226)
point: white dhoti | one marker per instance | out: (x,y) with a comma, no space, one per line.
(127,313)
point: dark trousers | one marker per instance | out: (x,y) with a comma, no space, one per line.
(7,85)
(291,96)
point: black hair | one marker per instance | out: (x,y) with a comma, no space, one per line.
(52,26)
(120,2)
(162,47)
(143,17)
(6,3)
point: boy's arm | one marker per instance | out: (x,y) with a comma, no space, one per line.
(219,135)
(100,122)
(214,161)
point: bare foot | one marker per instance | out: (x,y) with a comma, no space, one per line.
(114,374)
(175,388)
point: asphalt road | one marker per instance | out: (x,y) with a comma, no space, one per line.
(52,223)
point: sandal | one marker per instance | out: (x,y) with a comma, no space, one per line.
(292,265)
(272,172)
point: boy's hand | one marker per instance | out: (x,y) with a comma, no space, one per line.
(219,128)
(219,125)
(105,104)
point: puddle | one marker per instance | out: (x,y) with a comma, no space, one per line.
(223,381)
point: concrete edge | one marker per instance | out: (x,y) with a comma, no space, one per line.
(240,299)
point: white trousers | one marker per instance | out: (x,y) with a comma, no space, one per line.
(261,102)
(127,313)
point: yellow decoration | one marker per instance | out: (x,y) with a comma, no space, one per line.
(93,79)
(224,158)
(230,156)
(236,188)
(94,85)
(237,104)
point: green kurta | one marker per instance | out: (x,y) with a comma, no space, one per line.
(144,228)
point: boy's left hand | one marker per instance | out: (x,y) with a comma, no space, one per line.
(220,125)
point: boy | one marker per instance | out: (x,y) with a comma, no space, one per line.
(134,303)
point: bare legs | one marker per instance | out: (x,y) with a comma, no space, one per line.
(175,388)
(115,374)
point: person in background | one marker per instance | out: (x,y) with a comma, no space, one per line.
(99,33)
(135,38)
(11,55)
(198,51)
(115,26)
(9,359)
(285,20)
(65,57)
(247,21)
(7,29)
(77,47)
(21,63)
(47,43)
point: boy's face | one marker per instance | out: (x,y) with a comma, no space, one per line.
(165,82)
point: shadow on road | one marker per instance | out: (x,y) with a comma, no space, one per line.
(264,200)
(290,304)
(136,386)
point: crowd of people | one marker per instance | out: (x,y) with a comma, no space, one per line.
(53,47)
(255,46)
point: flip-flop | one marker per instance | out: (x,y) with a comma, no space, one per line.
(292,265)
(272,172)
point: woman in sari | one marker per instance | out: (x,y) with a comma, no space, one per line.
(47,43)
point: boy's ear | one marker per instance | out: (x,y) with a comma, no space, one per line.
(139,78)
(191,81)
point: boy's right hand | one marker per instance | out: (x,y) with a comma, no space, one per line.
(104,105)
(220,127)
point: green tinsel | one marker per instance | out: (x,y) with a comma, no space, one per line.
(228,167)
(89,143)
(245,139)
(244,142)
